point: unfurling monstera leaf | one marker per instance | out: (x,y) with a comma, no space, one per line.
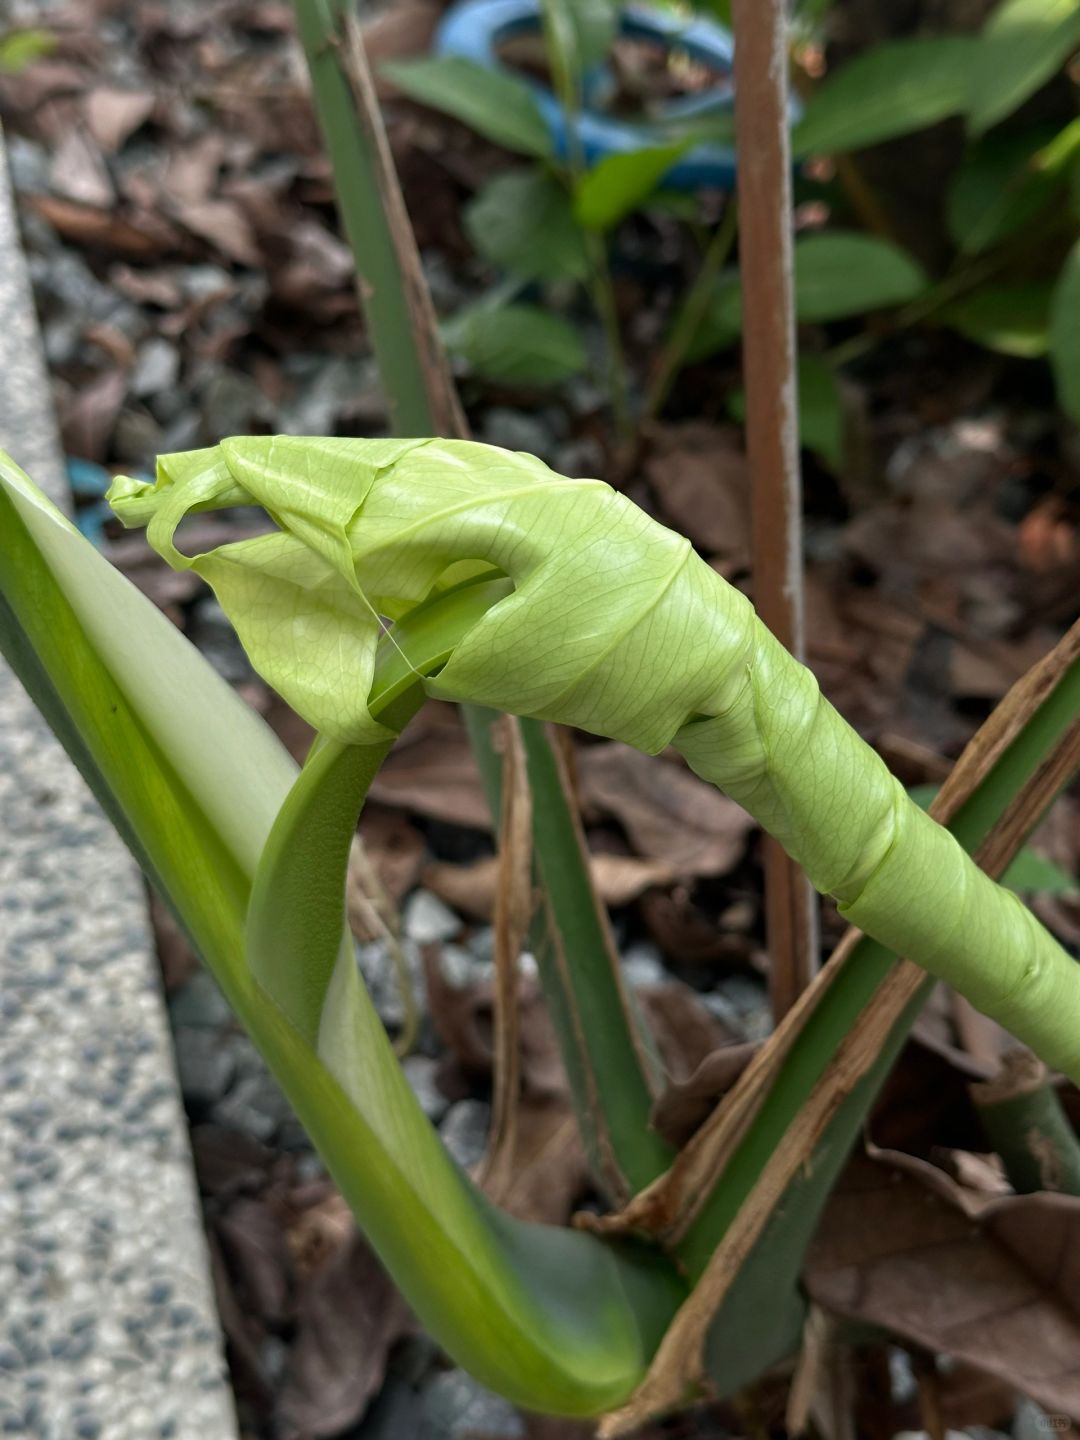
(607,621)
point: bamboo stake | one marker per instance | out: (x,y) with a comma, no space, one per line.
(769,365)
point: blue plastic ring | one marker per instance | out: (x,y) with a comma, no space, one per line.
(474,29)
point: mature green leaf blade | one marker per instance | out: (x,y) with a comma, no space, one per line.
(1065,334)
(842,273)
(555,1319)
(619,184)
(1020,47)
(838,274)
(1004,183)
(1013,318)
(495,103)
(523,222)
(891,90)
(515,344)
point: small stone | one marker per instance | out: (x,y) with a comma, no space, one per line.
(254,1106)
(204,1065)
(642,965)
(461,968)
(425,918)
(465,1130)
(199,1004)
(457,1406)
(156,367)
(516,430)
(381,977)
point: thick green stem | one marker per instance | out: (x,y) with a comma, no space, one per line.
(692,312)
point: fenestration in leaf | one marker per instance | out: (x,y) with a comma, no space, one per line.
(616,626)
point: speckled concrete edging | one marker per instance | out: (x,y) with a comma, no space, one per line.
(107,1320)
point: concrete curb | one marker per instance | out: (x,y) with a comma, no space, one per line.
(107,1320)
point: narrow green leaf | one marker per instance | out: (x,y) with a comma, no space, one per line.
(1020,47)
(619,184)
(515,344)
(843,273)
(892,90)
(523,222)
(495,103)
(577,35)
(1065,334)
(1013,319)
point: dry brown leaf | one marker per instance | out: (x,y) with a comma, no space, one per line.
(222,223)
(686,1104)
(148,287)
(253,1245)
(113,116)
(698,471)
(432,771)
(392,34)
(79,173)
(512,912)
(618,879)
(192,171)
(348,1317)
(684,1031)
(547,1174)
(990,1282)
(394,847)
(667,812)
(88,416)
(137,236)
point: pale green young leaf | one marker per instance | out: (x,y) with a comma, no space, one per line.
(554,1319)
(842,273)
(891,90)
(1065,334)
(515,344)
(1030,871)
(1019,48)
(618,184)
(495,103)
(523,221)
(679,658)
(1012,318)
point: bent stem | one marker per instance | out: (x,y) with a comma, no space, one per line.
(611,1086)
